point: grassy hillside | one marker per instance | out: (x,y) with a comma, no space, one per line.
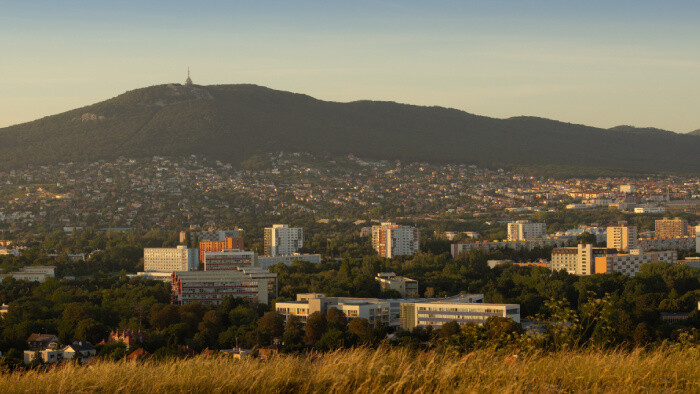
(396,371)
(235,122)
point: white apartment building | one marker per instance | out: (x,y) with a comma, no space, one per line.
(630,264)
(390,240)
(180,258)
(437,313)
(622,237)
(229,259)
(579,260)
(211,287)
(281,240)
(405,286)
(524,230)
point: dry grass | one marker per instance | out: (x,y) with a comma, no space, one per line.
(384,370)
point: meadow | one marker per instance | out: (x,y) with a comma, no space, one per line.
(384,370)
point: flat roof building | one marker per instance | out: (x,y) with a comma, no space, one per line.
(390,240)
(180,258)
(211,287)
(281,240)
(404,286)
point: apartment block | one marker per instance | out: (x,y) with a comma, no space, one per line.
(524,230)
(579,260)
(670,228)
(622,237)
(219,235)
(390,240)
(229,259)
(211,287)
(677,243)
(281,240)
(487,246)
(180,258)
(218,246)
(630,264)
(404,286)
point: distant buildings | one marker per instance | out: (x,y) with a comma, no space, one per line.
(670,228)
(524,230)
(390,240)
(488,246)
(678,243)
(578,260)
(268,261)
(229,259)
(630,264)
(211,287)
(404,286)
(180,258)
(622,237)
(218,246)
(32,273)
(404,313)
(460,310)
(281,240)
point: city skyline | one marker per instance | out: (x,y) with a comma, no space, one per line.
(598,64)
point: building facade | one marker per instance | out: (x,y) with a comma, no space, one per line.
(211,287)
(390,240)
(679,243)
(670,228)
(579,260)
(180,258)
(524,230)
(488,246)
(622,237)
(218,246)
(404,286)
(282,240)
(229,259)
(630,264)
(268,261)
(435,314)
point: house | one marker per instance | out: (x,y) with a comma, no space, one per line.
(129,337)
(237,353)
(80,350)
(40,341)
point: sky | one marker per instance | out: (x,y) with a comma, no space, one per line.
(600,63)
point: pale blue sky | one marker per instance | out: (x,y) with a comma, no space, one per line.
(602,63)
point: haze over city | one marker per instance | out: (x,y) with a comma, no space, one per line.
(597,63)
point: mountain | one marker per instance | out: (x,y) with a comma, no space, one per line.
(696,132)
(235,122)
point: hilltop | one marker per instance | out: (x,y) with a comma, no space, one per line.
(235,122)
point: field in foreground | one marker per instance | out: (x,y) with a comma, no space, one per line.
(384,370)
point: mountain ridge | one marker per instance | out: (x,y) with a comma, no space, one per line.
(235,122)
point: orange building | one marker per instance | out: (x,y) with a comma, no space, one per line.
(218,246)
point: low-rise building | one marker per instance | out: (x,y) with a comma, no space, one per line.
(82,351)
(488,246)
(437,313)
(404,286)
(211,287)
(32,273)
(229,259)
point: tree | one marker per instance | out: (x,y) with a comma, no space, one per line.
(361,327)
(449,329)
(316,326)
(272,323)
(336,319)
(90,330)
(293,333)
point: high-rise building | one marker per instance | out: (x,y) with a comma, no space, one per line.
(218,246)
(622,237)
(390,240)
(211,287)
(670,228)
(579,260)
(170,259)
(281,240)
(524,230)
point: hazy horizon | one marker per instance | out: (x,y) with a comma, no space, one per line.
(600,63)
